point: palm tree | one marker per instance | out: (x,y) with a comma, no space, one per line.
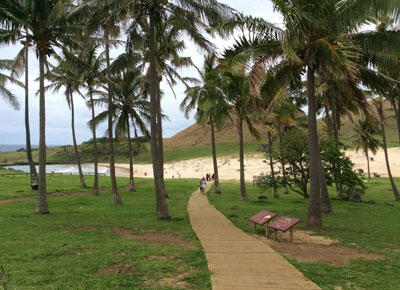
(67,76)
(282,117)
(211,105)
(95,63)
(366,140)
(319,39)
(384,145)
(20,66)
(48,24)
(245,106)
(189,17)
(168,45)
(392,95)
(131,109)
(103,18)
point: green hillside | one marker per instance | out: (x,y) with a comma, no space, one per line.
(193,142)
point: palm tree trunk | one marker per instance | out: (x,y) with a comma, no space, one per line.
(159,128)
(397,113)
(95,153)
(241,159)
(32,168)
(285,188)
(160,192)
(271,164)
(41,204)
(217,188)
(116,198)
(398,116)
(314,217)
(78,161)
(132,186)
(160,135)
(366,155)
(394,188)
(339,187)
(328,122)
(326,205)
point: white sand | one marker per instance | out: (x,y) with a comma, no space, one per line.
(254,165)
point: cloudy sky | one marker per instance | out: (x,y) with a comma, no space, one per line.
(58,116)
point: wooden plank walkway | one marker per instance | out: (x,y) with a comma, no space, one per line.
(237,260)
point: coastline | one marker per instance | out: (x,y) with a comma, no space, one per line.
(255,164)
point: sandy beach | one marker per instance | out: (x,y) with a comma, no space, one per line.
(254,164)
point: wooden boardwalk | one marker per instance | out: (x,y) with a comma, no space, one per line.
(237,260)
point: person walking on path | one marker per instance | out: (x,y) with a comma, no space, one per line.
(203,185)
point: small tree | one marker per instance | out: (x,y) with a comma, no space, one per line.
(294,152)
(365,139)
(339,169)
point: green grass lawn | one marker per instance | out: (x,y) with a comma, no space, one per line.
(78,245)
(372,227)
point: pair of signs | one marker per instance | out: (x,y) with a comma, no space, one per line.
(282,223)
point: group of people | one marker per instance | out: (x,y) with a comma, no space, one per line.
(203,182)
(210,177)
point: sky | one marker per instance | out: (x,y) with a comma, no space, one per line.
(58,115)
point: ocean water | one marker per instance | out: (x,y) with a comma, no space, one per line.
(62,168)
(15,147)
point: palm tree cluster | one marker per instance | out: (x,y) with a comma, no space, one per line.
(319,57)
(78,37)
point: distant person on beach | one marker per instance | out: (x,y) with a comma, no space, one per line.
(208,176)
(213,176)
(203,185)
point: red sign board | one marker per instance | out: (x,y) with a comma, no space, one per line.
(284,223)
(262,217)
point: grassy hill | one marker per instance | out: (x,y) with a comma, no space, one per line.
(194,142)
(347,131)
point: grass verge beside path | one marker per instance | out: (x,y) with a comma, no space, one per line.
(20,186)
(88,243)
(372,227)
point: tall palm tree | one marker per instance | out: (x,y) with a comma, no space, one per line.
(246,107)
(189,17)
(365,139)
(211,106)
(47,22)
(319,39)
(384,145)
(21,66)
(169,43)
(67,76)
(282,117)
(393,95)
(103,19)
(94,63)
(131,109)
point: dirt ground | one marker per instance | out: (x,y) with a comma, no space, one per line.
(113,269)
(141,235)
(310,248)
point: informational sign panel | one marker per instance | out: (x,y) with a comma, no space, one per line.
(262,217)
(283,223)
